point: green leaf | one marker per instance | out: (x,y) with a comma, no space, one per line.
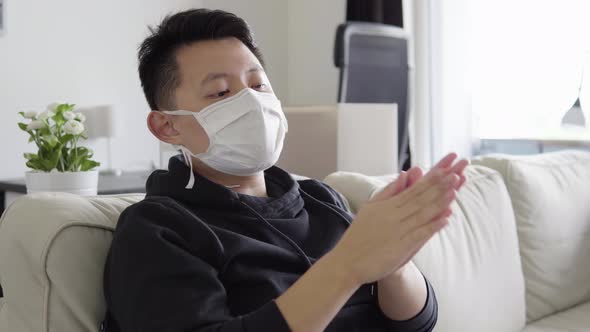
(79,155)
(51,160)
(22,126)
(22,114)
(35,164)
(45,130)
(46,164)
(88,164)
(66,138)
(30,156)
(44,149)
(81,151)
(61,108)
(58,118)
(50,139)
(31,139)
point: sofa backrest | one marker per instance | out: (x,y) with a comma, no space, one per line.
(53,247)
(473,263)
(550,194)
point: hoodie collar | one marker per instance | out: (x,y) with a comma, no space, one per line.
(284,202)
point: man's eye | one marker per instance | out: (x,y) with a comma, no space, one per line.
(259,86)
(221,94)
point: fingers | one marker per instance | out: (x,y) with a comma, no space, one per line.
(426,207)
(441,169)
(393,188)
(403,181)
(400,185)
(414,175)
(420,236)
(462,181)
(459,169)
(460,166)
(445,214)
(440,207)
(436,182)
(424,189)
(446,162)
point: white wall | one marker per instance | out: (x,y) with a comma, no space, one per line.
(268,19)
(82,52)
(297,40)
(85,53)
(313,78)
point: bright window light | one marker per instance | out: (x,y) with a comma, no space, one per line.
(528,60)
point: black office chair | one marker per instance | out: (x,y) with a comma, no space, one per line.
(373,62)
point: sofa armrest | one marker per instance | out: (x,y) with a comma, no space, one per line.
(52,252)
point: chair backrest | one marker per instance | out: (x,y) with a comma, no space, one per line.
(53,248)
(374,68)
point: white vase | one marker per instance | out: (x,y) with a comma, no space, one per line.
(79,183)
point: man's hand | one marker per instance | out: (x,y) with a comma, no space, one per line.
(386,233)
(407,179)
(402,294)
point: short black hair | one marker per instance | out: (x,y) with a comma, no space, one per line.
(158,69)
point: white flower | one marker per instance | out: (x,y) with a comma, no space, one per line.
(30,115)
(52,107)
(80,117)
(45,115)
(69,115)
(35,124)
(73,127)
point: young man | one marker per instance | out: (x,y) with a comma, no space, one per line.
(225,241)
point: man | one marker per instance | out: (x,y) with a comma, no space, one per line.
(225,241)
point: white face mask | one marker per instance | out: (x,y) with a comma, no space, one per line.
(246,133)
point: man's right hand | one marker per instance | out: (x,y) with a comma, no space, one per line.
(387,233)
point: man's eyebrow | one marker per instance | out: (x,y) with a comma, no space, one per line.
(255,68)
(212,77)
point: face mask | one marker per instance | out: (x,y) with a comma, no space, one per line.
(246,133)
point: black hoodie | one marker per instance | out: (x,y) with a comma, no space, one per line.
(210,259)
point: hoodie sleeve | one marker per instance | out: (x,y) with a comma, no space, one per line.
(155,280)
(424,321)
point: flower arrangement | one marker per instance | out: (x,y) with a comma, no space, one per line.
(57,132)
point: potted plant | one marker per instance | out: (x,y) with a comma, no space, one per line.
(61,162)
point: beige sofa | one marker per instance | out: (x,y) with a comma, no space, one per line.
(516,256)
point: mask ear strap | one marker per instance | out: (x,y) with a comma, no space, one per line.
(185,153)
(187,157)
(178,112)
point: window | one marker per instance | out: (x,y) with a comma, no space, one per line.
(528,58)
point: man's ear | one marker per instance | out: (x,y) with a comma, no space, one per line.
(162,127)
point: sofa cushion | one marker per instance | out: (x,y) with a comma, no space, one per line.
(473,264)
(551,198)
(53,247)
(576,319)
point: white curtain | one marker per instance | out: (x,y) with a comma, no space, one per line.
(442,118)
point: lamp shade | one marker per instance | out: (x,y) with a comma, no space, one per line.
(100,121)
